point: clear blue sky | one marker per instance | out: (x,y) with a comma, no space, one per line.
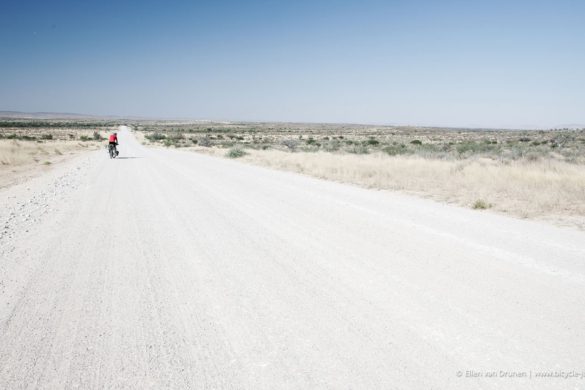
(451,63)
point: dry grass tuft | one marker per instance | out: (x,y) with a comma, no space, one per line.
(481,204)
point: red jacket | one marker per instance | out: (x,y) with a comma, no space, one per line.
(113,138)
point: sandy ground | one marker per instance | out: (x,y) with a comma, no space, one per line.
(165,269)
(22,160)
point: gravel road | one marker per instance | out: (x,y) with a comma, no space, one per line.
(169,269)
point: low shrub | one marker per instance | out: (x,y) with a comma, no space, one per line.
(358,149)
(155,137)
(394,150)
(291,144)
(205,142)
(235,153)
(480,204)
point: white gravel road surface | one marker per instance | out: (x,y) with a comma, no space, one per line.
(169,269)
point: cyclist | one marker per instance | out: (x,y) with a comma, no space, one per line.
(113,142)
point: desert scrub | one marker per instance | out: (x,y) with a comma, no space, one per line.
(394,150)
(358,149)
(480,204)
(291,144)
(444,143)
(205,142)
(168,142)
(332,146)
(154,137)
(235,153)
(19,137)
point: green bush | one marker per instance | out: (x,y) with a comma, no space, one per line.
(170,142)
(155,137)
(235,153)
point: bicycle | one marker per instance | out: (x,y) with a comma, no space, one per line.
(113,151)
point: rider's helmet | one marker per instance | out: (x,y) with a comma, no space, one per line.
(115,133)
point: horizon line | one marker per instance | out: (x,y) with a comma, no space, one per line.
(64,115)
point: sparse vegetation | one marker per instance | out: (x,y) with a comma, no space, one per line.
(394,150)
(55,124)
(205,142)
(235,153)
(291,144)
(480,204)
(434,143)
(28,144)
(154,137)
(358,149)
